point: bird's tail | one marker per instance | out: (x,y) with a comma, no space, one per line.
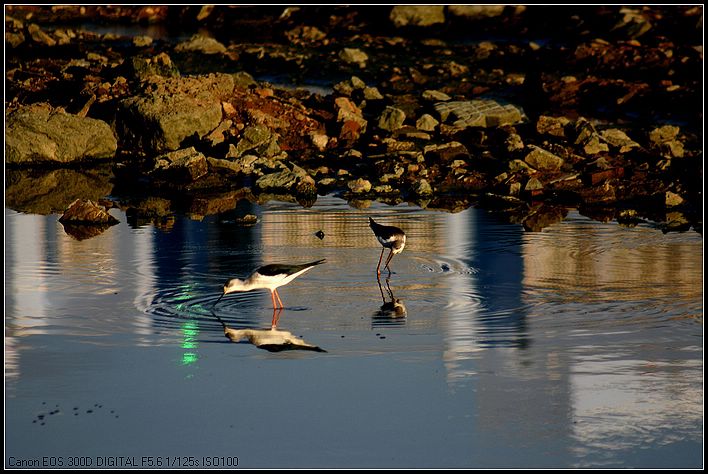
(317,262)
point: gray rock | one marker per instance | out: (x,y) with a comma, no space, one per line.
(533,184)
(588,138)
(185,165)
(40,133)
(39,36)
(426,123)
(142,68)
(435,96)
(259,139)
(168,111)
(673,199)
(142,41)
(359,185)
(353,55)
(392,119)
(279,180)
(423,188)
(543,160)
(552,125)
(618,139)
(476,12)
(372,93)
(201,44)
(415,15)
(665,138)
(479,113)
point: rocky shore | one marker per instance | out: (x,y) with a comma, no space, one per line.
(525,111)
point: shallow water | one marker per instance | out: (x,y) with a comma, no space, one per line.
(578,346)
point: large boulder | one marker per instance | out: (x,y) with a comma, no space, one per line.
(39,133)
(170,110)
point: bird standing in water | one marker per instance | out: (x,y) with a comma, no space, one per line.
(268,277)
(390,237)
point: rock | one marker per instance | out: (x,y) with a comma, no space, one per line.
(446,152)
(435,96)
(664,138)
(543,160)
(372,93)
(513,143)
(243,80)
(359,185)
(475,12)
(281,180)
(426,123)
(201,44)
(40,133)
(86,212)
(414,15)
(169,110)
(479,113)
(633,23)
(142,41)
(391,119)
(663,134)
(354,56)
(319,140)
(673,199)
(519,165)
(39,36)
(588,138)
(182,166)
(142,68)
(533,184)
(618,139)
(305,34)
(422,188)
(14,39)
(259,139)
(554,126)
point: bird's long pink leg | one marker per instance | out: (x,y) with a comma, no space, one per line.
(378,272)
(272,297)
(390,256)
(279,300)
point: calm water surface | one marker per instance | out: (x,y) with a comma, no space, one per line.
(578,346)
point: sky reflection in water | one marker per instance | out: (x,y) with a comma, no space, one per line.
(577,346)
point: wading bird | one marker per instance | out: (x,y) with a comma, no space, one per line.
(390,237)
(268,277)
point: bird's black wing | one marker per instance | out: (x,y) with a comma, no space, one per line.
(283,269)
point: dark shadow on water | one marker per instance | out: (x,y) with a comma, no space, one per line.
(392,312)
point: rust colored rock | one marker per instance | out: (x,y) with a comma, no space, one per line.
(87,212)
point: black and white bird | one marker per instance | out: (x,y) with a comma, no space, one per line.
(269,277)
(390,237)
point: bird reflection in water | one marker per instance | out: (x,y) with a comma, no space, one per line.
(392,312)
(271,339)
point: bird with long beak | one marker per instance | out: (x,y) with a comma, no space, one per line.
(268,277)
